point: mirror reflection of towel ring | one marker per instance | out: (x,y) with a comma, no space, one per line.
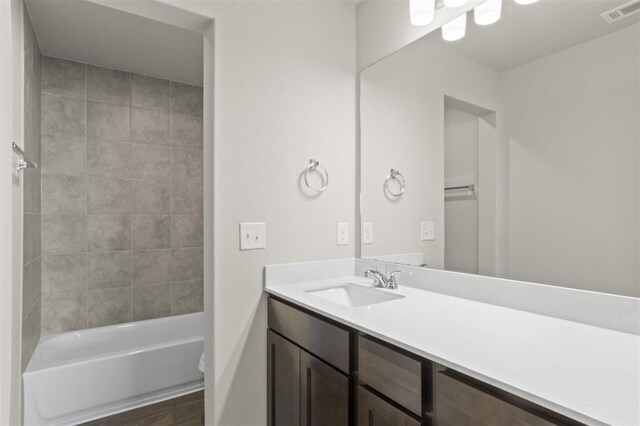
(312,167)
(397,176)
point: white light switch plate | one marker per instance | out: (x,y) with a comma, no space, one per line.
(367,233)
(342,234)
(253,236)
(427,231)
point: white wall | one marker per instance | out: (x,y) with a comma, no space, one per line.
(284,93)
(573,124)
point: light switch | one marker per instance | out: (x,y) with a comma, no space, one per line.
(428,231)
(253,236)
(342,234)
(367,233)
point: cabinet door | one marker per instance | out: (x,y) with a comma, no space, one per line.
(324,393)
(283,381)
(373,411)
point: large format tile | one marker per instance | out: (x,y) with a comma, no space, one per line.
(108,195)
(63,234)
(64,195)
(108,122)
(150,231)
(108,232)
(150,196)
(62,116)
(149,92)
(186,130)
(186,198)
(109,306)
(186,231)
(149,126)
(151,301)
(32,191)
(64,155)
(108,85)
(31,284)
(62,77)
(186,164)
(31,239)
(64,312)
(151,266)
(111,269)
(187,297)
(149,161)
(109,159)
(186,264)
(64,273)
(186,99)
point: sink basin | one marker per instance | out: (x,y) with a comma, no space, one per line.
(352,295)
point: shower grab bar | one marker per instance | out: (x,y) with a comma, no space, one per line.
(23,162)
(470,187)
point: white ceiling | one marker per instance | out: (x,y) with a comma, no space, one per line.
(87,32)
(526,33)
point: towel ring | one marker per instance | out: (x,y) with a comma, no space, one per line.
(397,176)
(312,167)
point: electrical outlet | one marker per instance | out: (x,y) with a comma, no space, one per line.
(253,236)
(342,234)
(428,231)
(367,233)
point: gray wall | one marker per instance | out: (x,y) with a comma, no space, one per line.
(31,224)
(121,197)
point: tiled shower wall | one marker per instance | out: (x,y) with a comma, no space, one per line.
(122,232)
(31,195)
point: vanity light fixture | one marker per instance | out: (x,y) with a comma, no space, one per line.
(488,12)
(525,1)
(456,29)
(422,12)
(455,3)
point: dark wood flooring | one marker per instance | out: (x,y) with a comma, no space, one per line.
(182,411)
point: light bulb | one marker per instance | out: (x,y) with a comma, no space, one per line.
(525,1)
(488,12)
(456,29)
(422,12)
(454,3)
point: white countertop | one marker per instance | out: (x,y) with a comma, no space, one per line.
(588,373)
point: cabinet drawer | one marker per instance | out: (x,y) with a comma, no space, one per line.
(462,404)
(324,340)
(375,411)
(393,374)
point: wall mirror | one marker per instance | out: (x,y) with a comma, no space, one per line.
(512,152)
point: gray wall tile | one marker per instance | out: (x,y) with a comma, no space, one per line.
(62,77)
(187,297)
(149,92)
(186,99)
(64,312)
(151,267)
(150,161)
(186,231)
(108,195)
(186,264)
(149,126)
(150,231)
(64,155)
(151,301)
(186,164)
(31,284)
(108,232)
(186,130)
(108,85)
(63,116)
(109,159)
(64,195)
(32,191)
(186,198)
(64,273)
(111,269)
(31,240)
(64,234)
(150,196)
(108,122)
(109,306)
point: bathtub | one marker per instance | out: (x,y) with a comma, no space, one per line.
(88,374)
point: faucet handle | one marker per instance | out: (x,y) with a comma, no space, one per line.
(393,281)
(392,274)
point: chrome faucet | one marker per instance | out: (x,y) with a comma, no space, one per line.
(379,280)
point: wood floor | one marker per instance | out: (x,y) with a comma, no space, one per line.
(183,411)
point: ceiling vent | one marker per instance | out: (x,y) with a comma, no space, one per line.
(621,12)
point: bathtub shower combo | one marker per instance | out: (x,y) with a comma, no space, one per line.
(84,375)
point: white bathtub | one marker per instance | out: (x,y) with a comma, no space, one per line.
(88,374)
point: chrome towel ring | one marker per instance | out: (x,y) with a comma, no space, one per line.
(316,166)
(397,176)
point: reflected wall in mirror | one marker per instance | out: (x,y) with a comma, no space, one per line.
(519,145)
